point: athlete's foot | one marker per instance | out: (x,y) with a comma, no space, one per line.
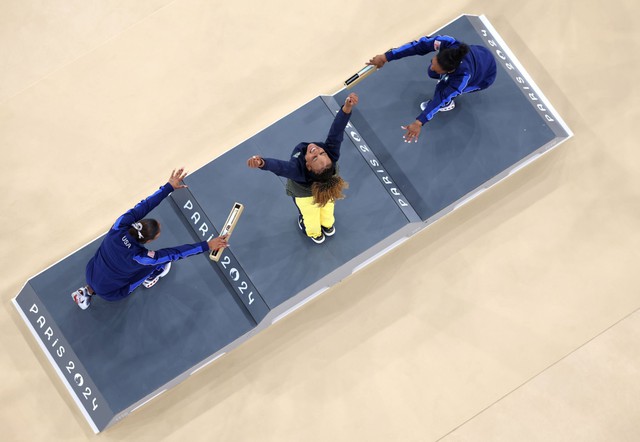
(156,275)
(445,107)
(318,239)
(328,231)
(82,298)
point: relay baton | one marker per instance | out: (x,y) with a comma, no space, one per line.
(359,76)
(229,225)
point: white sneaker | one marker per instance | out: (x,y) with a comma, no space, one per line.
(328,231)
(82,298)
(156,275)
(447,107)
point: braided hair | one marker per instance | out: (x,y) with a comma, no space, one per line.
(450,58)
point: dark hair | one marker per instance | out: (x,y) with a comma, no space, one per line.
(144,230)
(449,58)
(328,190)
(325,175)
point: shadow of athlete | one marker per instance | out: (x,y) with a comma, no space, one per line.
(313,178)
(459,69)
(122,263)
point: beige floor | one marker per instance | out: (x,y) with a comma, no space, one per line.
(513,319)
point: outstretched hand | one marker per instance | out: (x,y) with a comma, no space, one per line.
(176,178)
(218,243)
(350,102)
(255,162)
(377,61)
(413,132)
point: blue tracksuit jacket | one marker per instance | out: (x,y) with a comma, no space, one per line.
(121,263)
(476,71)
(296,169)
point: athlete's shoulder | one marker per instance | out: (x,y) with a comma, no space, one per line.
(299,151)
(443,41)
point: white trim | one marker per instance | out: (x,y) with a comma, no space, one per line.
(57,367)
(207,363)
(528,161)
(379,254)
(148,400)
(300,304)
(465,199)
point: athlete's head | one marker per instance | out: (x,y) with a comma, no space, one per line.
(327,185)
(316,159)
(447,60)
(145,230)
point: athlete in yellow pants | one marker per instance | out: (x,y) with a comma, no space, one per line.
(313,176)
(317,220)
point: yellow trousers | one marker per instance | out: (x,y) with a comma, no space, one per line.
(315,216)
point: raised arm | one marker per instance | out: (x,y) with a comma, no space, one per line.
(418,47)
(151,202)
(422,46)
(162,256)
(336,131)
(288,169)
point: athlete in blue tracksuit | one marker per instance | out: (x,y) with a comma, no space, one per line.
(122,263)
(459,68)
